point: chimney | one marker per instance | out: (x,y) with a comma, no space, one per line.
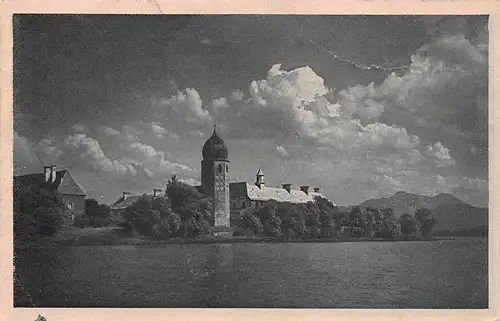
(46,172)
(316,190)
(53,173)
(305,189)
(288,187)
(125,195)
(156,192)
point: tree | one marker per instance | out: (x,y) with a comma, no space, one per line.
(193,208)
(97,214)
(37,211)
(299,212)
(186,201)
(329,217)
(143,217)
(357,221)
(312,223)
(183,212)
(426,220)
(251,224)
(153,217)
(390,229)
(409,224)
(271,224)
(370,223)
(378,219)
(385,224)
(388,213)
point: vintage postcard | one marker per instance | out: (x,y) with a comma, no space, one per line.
(210,162)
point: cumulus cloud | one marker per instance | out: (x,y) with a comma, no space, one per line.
(30,155)
(294,103)
(184,106)
(78,128)
(282,152)
(157,130)
(413,123)
(88,150)
(180,114)
(440,153)
(155,127)
(110,131)
(236,95)
(359,102)
(422,129)
(444,96)
(123,159)
(24,156)
(191,181)
(219,103)
(206,41)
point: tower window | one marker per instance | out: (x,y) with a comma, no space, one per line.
(227,168)
(220,168)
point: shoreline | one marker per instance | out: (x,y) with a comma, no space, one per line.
(139,241)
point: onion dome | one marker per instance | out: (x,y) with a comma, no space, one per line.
(215,148)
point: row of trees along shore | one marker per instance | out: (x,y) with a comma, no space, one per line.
(185,212)
(321,219)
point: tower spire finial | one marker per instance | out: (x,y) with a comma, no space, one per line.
(215,126)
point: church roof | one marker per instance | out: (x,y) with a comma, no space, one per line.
(215,148)
(64,183)
(254,193)
(123,203)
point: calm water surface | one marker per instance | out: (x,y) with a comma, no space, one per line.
(439,274)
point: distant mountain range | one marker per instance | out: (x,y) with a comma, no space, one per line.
(451,213)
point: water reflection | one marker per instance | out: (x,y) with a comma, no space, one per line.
(224,254)
(207,271)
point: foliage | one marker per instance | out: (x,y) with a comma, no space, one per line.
(251,224)
(426,220)
(96,215)
(329,217)
(388,213)
(148,216)
(293,219)
(409,224)
(360,222)
(390,229)
(183,213)
(377,220)
(186,201)
(312,220)
(37,211)
(271,224)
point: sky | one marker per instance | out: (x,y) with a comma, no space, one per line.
(360,106)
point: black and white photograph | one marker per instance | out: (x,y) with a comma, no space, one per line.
(250,161)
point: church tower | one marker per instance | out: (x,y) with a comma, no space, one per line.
(215,178)
(260,179)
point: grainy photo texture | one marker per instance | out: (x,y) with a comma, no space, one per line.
(244,161)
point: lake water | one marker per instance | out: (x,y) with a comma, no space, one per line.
(438,274)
